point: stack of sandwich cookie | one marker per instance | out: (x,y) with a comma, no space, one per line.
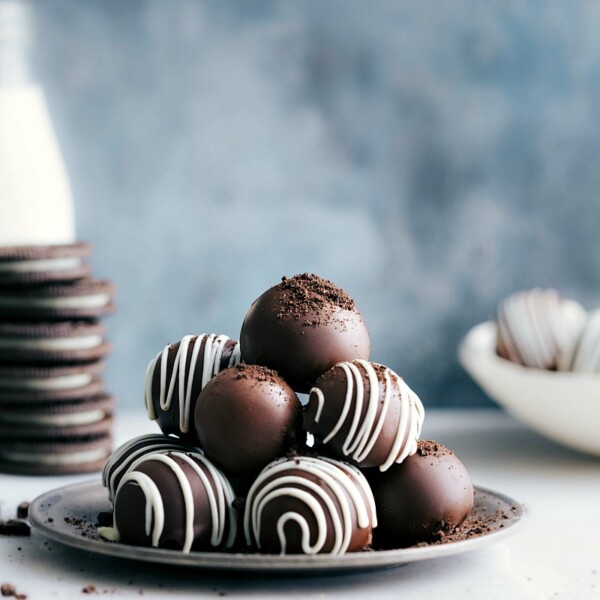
(55,413)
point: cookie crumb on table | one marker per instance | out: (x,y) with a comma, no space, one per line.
(15,527)
(8,590)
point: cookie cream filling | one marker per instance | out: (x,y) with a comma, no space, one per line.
(49,383)
(88,301)
(87,417)
(84,342)
(47,264)
(47,458)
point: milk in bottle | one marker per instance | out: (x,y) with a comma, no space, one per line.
(36,205)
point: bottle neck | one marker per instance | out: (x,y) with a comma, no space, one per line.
(15,69)
(16,36)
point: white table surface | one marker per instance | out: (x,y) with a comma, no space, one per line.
(555,555)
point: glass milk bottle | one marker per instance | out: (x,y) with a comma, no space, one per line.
(36,205)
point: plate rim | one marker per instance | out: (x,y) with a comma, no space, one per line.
(232,561)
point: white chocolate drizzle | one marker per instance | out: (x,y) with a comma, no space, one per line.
(186,374)
(126,456)
(218,491)
(336,480)
(363,435)
(154,511)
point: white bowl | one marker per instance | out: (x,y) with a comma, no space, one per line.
(564,407)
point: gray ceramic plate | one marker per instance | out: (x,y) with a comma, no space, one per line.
(68,515)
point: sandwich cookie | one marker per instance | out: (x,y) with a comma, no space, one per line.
(55,457)
(82,299)
(49,343)
(51,420)
(46,379)
(34,396)
(29,265)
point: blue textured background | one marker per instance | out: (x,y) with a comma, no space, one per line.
(429,157)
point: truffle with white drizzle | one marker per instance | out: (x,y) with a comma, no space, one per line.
(177,500)
(365,413)
(537,326)
(306,505)
(583,354)
(126,455)
(176,376)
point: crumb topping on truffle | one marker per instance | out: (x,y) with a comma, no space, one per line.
(432,448)
(308,294)
(257,373)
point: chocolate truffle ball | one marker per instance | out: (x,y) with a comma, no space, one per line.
(536,327)
(246,417)
(302,327)
(365,413)
(430,493)
(175,500)
(307,505)
(176,376)
(125,456)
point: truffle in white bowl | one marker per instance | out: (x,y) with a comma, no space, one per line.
(563,406)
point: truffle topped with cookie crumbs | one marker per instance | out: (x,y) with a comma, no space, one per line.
(246,417)
(301,327)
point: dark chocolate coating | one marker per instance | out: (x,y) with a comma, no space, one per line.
(169,420)
(245,417)
(285,502)
(430,492)
(302,327)
(334,385)
(130,507)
